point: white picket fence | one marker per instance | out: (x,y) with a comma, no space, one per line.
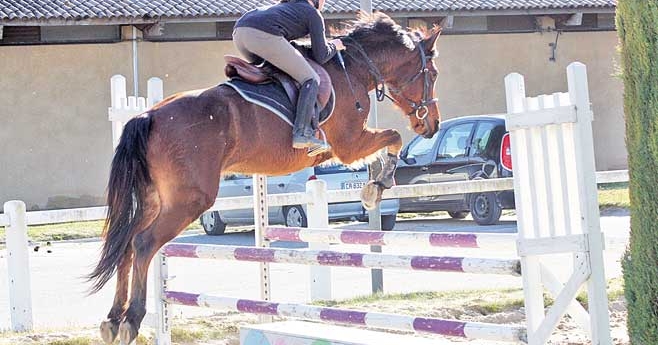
(555,189)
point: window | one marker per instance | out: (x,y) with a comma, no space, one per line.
(481,138)
(469,24)
(606,21)
(335,169)
(13,35)
(511,24)
(196,31)
(455,141)
(21,35)
(421,147)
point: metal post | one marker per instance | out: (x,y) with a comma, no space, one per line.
(162,310)
(262,221)
(18,263)
(376,274)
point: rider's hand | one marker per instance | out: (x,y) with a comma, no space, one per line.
(338,44)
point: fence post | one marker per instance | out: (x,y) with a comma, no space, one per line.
(589,206)
(154,91)
(119,100)
(18,264)
(532,286)
(317,216)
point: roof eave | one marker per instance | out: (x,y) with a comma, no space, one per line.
(328,15)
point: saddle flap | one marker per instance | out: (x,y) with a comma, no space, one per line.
(237,67)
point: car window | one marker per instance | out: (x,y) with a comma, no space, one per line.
(421,147)
(229,177)
(491,150)
(455,141)
(335,169)
(482,138)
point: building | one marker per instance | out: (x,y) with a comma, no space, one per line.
(58,57)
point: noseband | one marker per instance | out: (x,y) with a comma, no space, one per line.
(420,109)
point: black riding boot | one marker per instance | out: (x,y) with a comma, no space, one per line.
(303,133)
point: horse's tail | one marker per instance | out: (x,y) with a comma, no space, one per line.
(126,190)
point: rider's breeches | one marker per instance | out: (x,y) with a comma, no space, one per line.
(275,49)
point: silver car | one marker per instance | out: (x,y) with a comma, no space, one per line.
(336,177)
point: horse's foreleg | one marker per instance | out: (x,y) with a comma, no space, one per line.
(382,171)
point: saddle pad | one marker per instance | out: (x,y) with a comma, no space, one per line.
(273,97)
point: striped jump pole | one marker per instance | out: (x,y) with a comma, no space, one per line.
(333,258)
(352,317)
(381,238)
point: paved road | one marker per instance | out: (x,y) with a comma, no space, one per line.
(60,300)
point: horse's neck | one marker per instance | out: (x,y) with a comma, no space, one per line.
(360,74)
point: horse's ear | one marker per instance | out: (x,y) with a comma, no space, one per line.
(430,40)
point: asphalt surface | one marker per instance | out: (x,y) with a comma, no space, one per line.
(59,292)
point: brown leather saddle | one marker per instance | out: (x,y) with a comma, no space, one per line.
(237,67)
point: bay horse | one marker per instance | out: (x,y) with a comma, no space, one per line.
(166,169)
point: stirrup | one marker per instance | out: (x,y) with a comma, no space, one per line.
(321,148)
(318,149)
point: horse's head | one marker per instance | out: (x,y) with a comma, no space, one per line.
(412,85)
(404,61)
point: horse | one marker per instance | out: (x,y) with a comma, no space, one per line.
(166,169)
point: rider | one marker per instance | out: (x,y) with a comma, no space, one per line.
(266,32)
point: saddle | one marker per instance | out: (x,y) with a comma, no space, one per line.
(237,68)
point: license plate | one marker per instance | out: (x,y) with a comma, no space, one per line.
(353,184)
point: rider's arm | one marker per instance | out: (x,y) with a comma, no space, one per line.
(322,50)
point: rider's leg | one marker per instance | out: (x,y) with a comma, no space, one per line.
(279,52)
(303,131)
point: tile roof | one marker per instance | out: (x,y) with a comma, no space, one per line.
(76,10)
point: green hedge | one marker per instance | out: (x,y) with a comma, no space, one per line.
(637,25)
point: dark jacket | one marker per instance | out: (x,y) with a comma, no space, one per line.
(292,20)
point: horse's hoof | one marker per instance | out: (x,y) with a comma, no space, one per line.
(371,195)
(109,331)
(127,333)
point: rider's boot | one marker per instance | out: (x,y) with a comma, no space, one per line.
(303,133)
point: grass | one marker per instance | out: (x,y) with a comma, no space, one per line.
(70,231)
(614,195)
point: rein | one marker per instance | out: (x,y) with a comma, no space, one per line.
(420,109)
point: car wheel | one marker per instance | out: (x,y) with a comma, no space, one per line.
(295,216)
(212,223)
(388,221)
(458,214)
(485,209)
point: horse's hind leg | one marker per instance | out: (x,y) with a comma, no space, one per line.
(110,327)
(172,220)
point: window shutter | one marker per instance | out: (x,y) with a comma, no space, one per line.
(21,34)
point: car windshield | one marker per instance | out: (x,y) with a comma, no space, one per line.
(421,147)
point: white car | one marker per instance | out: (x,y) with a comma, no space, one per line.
(336,177)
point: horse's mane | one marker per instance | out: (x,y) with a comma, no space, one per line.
(379,29)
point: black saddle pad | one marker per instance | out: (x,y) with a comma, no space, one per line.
(274,98)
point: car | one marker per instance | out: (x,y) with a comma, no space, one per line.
(336,176)
(464,148)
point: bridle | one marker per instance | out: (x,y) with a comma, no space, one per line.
(419,109)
